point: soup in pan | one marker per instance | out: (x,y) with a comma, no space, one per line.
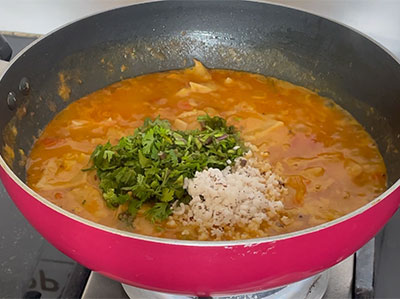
(203,154)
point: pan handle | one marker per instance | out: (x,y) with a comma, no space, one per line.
(5,49)
(5,54)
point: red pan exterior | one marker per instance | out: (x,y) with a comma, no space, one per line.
(201,268)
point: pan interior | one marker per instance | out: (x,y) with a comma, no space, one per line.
(262,38)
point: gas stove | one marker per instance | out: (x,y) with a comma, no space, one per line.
(32,268)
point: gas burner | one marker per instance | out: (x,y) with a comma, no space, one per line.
(310,288)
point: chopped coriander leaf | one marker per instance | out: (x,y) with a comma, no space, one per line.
(150,166)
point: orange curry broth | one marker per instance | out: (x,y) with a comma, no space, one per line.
(330,163)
